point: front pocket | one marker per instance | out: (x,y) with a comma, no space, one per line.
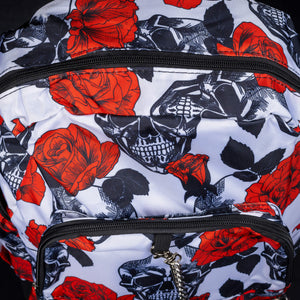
(213,257)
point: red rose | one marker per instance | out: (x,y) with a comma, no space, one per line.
(32,295)
(19,127)
(202,297)
(127,297)
(22,267)
(280,187)
(35,232)
(32,187)
(107,91)
(75,157)
(189,164)
(297,227)
(260,206)
(221,243)
(76,288)
(249,40)
(187,4)
(81,243)
(99,24)
(6,224)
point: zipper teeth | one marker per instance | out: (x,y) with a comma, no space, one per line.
(134,58)
(104,227)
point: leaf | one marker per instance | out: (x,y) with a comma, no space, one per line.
(258,287)
(228,99)
(248,252)
(247,264)
(56,29)
(237,155)
(134,181)
(43,54)
(62,50)
(254,127)
(245,176)
(218,20)
(115,189)
(268,162)
(144,73)
(226,261)
(81,257)
(284,127)
(231,288)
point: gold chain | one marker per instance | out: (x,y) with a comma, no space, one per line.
(173,260)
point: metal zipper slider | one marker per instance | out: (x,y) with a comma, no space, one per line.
(171,259)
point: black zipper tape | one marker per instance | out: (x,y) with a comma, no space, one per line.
(142,58)
(73,229)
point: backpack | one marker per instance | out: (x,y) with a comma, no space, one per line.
(150,150)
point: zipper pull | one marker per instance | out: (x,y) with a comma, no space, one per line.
(160,249)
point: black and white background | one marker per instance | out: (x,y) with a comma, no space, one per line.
(13,13)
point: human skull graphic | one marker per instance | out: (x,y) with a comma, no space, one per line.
(14,160)
(277,260)
(147,279)
(170,34)
(162,137)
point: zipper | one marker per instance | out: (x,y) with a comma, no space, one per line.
(162,230)
(142,58)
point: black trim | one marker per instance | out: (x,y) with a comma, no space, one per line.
(95,227)
(135,58)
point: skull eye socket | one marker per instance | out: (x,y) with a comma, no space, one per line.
(168,121)
(190,277)
(164,39)
(149,279)
(281,260)
(122,121)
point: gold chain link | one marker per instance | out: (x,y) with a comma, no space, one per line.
(173,260)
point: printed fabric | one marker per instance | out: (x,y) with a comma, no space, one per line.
(150,142)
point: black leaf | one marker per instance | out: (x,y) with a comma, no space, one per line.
(81,257)
(144,73)
(115,189)
(268,162)
(211,44)
(226,261)
(218,20)
(254,127)
(228,99)
(258,287)
(245,175)
(43,54)
(248,252)
(56,29)
(231,288)
(247,264)
(237,155)
(284,127)
(134,181)
(62,50)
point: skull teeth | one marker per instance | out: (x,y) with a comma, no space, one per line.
(153,150)
(13,181)
(277,16)
(161,295)
(185,108)
(150,152)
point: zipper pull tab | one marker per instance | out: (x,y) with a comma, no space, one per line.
(160,249)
